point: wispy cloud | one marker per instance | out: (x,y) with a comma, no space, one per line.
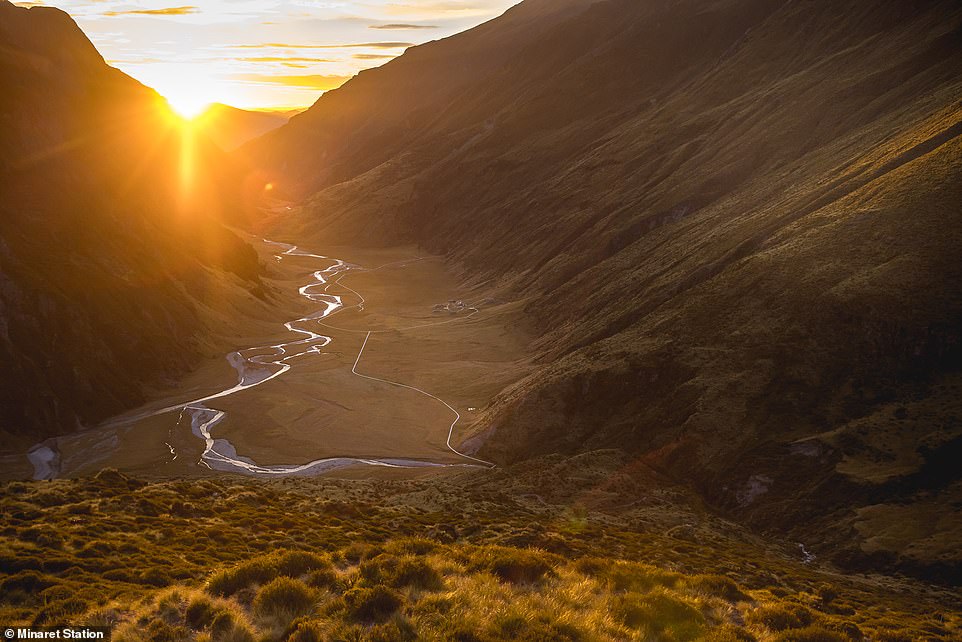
(319,82)
(443,8)
(199,48)
(285,59)
(168,11)
(399,26)
(352,45)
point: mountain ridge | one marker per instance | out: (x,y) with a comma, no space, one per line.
(230,127)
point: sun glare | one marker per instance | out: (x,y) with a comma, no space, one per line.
(188,106)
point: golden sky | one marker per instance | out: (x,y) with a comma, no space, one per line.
(261,53)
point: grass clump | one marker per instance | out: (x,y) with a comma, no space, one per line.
(811,634)
(660,613)
(230,581)
(226,627)
(372,604)
(716,586)
(542,629)
(515,565)
(300,563)
(283,599)
(262,570)
(409,571)
(308,631)
(781,617)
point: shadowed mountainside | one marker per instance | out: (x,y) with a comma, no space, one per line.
(736,225)
(230,127)
(110,231)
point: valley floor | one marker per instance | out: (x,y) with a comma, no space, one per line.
(143,532)
(423,376)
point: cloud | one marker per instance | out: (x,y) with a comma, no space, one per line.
(168,11)
(401,26)
(355,45)
(284,59)
(424,8)
(372,56)
(319,82)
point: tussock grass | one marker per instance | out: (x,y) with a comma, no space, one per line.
(253,573)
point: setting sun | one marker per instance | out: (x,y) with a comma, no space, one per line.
(188,106)
(187,92)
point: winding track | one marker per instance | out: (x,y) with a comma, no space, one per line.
(457,415)
(258,365)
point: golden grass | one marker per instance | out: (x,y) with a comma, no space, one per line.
(253,560)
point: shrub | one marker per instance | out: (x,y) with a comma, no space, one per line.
(413,545)
(42,536)
(160,631)
(308,632)
(227,627)
(262,570)
(323,578)
(660,612)
(515,565)
(156,577)
(893,635)
(781,617)
(121,575)
(358,551)
(592,566)
(717,586)
(284,599)
(632,576)
(373,571)
(399,629)
(810,634)
(25,583)
(398,573)
(226,583)
(200,613)
(518,628)
(417,573)
(371,604)
(299,563)
(827,593)
(728,633)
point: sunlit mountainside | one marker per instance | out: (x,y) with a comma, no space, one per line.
(601,320)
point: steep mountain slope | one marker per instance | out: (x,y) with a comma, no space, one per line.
(381,112)
(229,127)
(110,231)
(736,224)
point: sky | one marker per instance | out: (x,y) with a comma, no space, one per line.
(262,54)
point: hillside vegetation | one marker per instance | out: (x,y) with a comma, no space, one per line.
(464,559)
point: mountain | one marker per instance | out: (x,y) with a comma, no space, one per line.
(230,127)
(112,232)
(734,225)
